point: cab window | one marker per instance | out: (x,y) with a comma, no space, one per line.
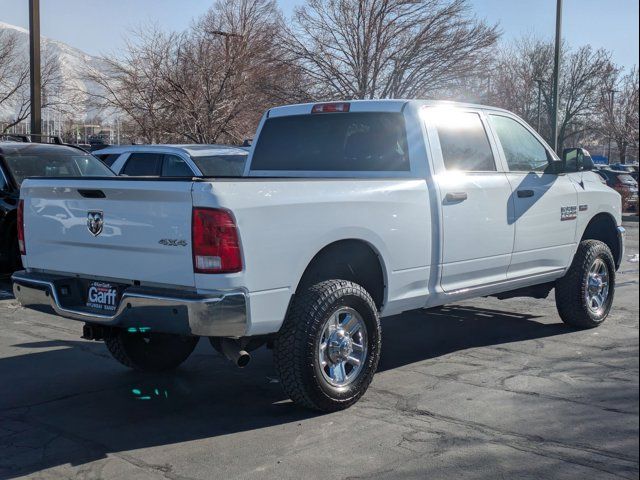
(108,158)
(174,166)
(143,165)
(463,141)
(523,151)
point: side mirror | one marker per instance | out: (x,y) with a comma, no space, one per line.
(577,160)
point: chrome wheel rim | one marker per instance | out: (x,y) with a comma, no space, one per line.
(597,291)
(342,350)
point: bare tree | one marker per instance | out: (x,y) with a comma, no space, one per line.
(619,118)
(225,71)
(207,84)
(523,70)
(387,48)
(14,81)
(133,84)
(14,76)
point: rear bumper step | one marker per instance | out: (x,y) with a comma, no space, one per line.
(218,314)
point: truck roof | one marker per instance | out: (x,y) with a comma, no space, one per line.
(384,105)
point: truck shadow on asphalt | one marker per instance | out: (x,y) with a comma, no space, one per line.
(69,402)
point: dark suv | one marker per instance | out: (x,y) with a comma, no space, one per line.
(20,160)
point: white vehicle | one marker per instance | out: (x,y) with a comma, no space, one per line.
(346,212)
(174,160)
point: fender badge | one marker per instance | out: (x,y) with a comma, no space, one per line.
(173,242)
(568,213)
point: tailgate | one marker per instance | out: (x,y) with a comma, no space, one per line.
(145,234)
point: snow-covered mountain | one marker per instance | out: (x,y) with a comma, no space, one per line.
(73,63)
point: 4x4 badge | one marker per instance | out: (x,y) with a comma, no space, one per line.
(95,222)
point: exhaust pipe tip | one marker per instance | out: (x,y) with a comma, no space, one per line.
(231,350)
(243,359)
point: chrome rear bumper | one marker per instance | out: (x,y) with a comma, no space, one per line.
(219,314)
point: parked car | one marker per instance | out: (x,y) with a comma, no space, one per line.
(346,212)
(19,160)
(175,160)
(624,184)
(630,169)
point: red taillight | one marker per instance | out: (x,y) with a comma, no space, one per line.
(215,243)
(20,219)
(342,107)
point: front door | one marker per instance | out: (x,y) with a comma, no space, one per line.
(545,204)
(477,236)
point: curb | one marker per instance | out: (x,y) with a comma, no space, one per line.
(630,218)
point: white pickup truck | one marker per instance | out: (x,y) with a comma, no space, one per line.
(346,212)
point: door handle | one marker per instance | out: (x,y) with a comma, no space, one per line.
(456,197)
(525,193)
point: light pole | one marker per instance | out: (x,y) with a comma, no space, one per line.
(34,66)
(556,75)
(227,36)
(612,92)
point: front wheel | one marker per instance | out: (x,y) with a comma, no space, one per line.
(328,348)
(150,352)
(585,294)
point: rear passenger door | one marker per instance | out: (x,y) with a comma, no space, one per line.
(545,203)
(477,236)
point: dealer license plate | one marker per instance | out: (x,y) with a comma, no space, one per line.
(102,296)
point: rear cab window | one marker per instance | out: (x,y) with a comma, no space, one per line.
(333,142)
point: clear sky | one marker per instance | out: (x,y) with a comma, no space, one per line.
(99,26)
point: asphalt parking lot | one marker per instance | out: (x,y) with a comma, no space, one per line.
(480,389)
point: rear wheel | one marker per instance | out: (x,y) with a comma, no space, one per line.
(328,348)
(15,262)
(152,352)
(585,294)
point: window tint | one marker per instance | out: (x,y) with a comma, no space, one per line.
(221,165)
(108,158)
(3,182)
(523,151)
(174,166)
(143,165)
(464,142)
(372,141)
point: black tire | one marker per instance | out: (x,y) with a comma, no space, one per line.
(15,261)
(10,261)
(573,288)
(295,348)
(150,352)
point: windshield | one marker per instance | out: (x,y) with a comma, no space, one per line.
(64,163)
(220,165)
(626,179)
